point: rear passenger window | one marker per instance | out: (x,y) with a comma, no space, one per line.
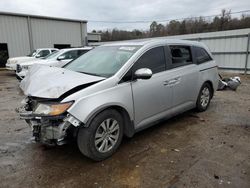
(153,59)
(181,55)
(201,55)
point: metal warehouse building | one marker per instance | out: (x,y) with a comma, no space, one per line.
(21,33)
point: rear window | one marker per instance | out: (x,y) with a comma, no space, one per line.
(201,55)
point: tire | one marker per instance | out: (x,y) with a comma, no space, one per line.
(97,143)
(204,97)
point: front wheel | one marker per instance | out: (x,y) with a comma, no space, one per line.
(204,97)
(103,136)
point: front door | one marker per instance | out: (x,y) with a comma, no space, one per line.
(152,97)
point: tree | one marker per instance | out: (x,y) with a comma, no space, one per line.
(173,28)
(186,26)
(153,28)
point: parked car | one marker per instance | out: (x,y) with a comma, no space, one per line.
(38,53)
(56,59)
(115,90)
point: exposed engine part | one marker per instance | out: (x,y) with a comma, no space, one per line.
(48,130)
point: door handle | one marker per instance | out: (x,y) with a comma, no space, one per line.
(172,81)
(177,79)
(169,82)
(165,83)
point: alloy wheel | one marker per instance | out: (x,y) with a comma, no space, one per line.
(107,135)
(205,97)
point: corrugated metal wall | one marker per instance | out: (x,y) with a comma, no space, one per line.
(44,32)
(229,48)
(14,32)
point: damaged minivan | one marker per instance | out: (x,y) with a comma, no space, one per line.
(117,90)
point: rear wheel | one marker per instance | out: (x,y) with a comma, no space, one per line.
(204,97)
(103,136)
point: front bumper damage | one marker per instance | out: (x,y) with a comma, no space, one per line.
(50,130)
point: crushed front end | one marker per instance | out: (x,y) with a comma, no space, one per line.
(49,120)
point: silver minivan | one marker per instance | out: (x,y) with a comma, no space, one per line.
(115,90)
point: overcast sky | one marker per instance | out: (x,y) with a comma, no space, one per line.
(122,10)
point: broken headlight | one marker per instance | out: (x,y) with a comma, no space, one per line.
(52,109)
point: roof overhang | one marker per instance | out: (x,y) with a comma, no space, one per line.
(41,17)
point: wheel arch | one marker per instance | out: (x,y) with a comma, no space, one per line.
(211,85)
(129,129)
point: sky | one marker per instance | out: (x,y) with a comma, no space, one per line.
(122,10)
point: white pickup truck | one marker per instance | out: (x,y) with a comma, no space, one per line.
(38,53)
(56,59)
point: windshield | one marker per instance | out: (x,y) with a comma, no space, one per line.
(32,54)
(52,55)
(103,61)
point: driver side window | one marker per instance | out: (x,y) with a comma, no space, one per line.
(153,59)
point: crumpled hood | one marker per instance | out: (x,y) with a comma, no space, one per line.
(51,82)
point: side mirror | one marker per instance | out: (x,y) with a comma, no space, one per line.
(38,55)
(143,73)
(62,57)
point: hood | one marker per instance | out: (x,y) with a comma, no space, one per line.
(48,62)
(52,82)
(36,61)
(18,59)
